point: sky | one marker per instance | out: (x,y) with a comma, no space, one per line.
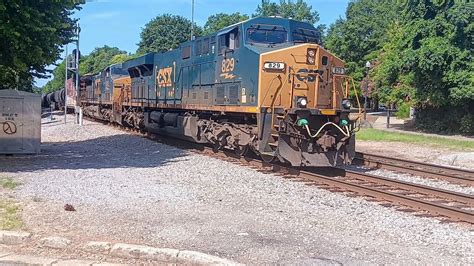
(118,23)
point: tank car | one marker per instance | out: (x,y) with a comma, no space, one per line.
(265,84)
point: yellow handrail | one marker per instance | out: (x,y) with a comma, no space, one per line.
(357,98)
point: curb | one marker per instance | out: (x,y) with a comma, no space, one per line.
(117,250)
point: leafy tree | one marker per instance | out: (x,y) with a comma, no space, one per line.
(120,58)
(58,78)
(298,10)
(31,36)
(422,52)
(267,8)
(221,20)
(393,80)
(441,56)
(98,59)
(164,33)
(362,34)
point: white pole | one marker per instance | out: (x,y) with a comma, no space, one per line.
(192,21)
(65,90)
(77,78)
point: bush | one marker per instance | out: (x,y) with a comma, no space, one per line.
(403,110)
(467,125)
(446,120)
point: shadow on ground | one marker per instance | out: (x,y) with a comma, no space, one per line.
(116,151)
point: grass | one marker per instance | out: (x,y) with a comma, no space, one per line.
(371,134)
(9,215)
(8,183)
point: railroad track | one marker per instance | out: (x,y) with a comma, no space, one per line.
(450,174)
(426,201)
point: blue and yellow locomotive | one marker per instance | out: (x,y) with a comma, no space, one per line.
(264,84)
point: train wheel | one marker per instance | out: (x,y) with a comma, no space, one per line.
(268,158)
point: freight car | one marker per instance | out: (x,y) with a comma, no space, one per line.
(265,84)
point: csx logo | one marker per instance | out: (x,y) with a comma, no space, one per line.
(164,77)
(308,75)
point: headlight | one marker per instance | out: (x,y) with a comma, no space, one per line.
(302,102)
(275,66)
(311,56)
(346,104)
(339,70)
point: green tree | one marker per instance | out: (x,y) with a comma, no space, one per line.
(221,20)
(98,59)
(31,36)
(267,8)
(164,33)
(58,78)
(422,52)
(392,78)
(298,10)
(120,58)
(439,49)
(362,34)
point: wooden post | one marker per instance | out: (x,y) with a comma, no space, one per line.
(388,115)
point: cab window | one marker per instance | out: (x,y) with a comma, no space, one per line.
(306,36)
(201,47)
(205,46)
(198,47)
(186,52)
(266,34)
(229,40)
(116,71)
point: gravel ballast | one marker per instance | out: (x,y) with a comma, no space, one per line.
(126,188)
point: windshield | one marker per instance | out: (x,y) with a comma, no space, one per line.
(119,71)
(268,34)
(306,36)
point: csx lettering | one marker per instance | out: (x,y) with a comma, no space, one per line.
(308,75)
(228,65)
(164,77)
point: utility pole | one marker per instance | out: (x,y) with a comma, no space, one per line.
(17,79)
(368,65)
(78,98)
(192,21)
(65,88)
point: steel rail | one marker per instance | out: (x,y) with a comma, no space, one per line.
(454,213)
(451,174)
(461,197)
(431,207)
